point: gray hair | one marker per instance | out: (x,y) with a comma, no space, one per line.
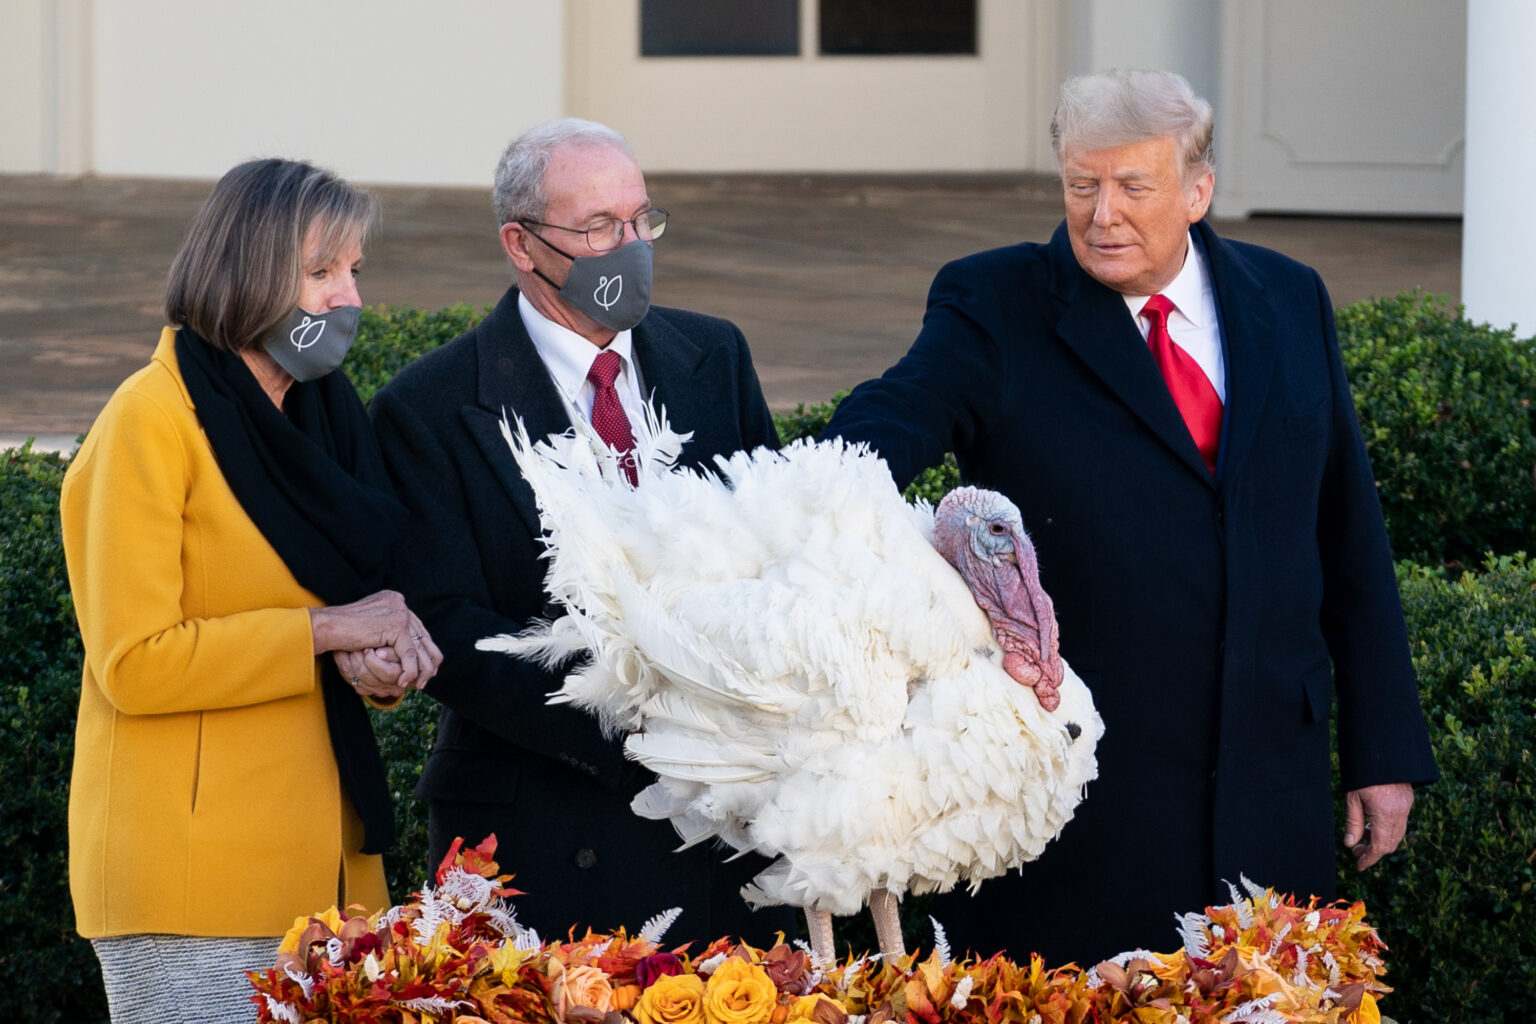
(1121,108)
(240,268)
(519,191)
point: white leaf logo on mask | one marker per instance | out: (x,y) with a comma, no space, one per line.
(307,333)
(608,291)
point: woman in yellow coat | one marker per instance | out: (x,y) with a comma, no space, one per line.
(227,526)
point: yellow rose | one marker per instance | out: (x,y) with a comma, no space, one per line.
(672,999)
(290,943)
(818,1008)
(331,919)
(739,993)
(586,985)
(1367,1012)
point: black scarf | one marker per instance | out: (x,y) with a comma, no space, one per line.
(311,478)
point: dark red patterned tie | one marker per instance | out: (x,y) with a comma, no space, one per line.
(608,412)
(1191,388)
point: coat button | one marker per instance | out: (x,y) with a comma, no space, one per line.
(586,859)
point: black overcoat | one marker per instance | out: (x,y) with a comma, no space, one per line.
(1214,618)
(554,790)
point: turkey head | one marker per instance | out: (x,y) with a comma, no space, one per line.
(982,535)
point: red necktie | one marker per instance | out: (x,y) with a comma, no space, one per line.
(608,412)
(1191,389)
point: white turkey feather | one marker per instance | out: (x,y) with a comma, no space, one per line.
(805,674)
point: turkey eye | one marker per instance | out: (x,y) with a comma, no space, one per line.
(998,529)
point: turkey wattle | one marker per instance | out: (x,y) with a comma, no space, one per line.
(785,647)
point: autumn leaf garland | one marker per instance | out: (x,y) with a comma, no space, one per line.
(455,952)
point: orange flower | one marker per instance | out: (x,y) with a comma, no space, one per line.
(672,999)
(584,985)
(625,997)
(739,993)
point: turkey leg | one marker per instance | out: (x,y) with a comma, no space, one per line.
(883,908)
(819,924)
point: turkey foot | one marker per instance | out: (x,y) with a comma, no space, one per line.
(883,908)
(819,924)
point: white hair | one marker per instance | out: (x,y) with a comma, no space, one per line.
(519,191)
(1121,108)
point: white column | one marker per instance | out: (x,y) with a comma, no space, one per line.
(1499,219)
(1167,35)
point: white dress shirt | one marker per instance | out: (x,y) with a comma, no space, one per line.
(1192,325)
(568,356)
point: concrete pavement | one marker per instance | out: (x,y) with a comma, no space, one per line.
(825,275)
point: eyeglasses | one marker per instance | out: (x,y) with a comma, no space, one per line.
(607,233)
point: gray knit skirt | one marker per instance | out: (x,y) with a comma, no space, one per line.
(181,979)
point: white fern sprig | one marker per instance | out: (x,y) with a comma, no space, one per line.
(940,942)
(657,926)
(1256,1011)
(1195,933)
(819,963)
(286,1012)
(305,982)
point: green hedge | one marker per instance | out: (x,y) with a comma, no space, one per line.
(1445,406)
(1457,907)
(50,974)
(389,337)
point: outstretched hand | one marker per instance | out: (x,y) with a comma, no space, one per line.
(1375,820)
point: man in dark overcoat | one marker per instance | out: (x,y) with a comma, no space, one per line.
(1170,413)
(577,222)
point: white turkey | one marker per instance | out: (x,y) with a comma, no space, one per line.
(785,647)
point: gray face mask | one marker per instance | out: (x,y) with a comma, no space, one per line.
(310,345)
(614,289)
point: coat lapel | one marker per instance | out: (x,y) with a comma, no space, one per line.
(512,380)
(1249,322)
(1100,330)
(671,365)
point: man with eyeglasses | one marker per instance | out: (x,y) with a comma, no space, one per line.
(574,337)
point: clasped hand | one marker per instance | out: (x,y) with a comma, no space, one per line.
(378,643)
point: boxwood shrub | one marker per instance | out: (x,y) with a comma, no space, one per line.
(52,974)
(1445,406)
(1456,906)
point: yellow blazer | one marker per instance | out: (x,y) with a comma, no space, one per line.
(205,799)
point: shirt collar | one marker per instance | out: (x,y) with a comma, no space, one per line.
(1189,291)
(567,355)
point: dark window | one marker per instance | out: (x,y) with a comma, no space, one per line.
(898,26)
(719,28)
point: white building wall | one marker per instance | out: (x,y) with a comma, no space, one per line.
(386,91)
(21,87)
(1166,35)
(45,67)
(814,113)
